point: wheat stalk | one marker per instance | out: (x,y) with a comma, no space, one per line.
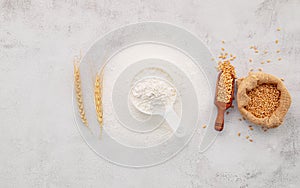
(98,99)
(77,84)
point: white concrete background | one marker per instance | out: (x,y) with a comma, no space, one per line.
(39,143)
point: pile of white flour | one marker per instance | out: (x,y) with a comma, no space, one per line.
(152,93)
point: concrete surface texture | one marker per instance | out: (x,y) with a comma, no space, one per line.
(40,145)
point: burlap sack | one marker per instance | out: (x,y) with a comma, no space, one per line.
(250,82)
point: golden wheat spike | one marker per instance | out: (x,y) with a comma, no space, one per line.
(77,84)
(98,99)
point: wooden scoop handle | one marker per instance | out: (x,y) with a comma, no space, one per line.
(219,124)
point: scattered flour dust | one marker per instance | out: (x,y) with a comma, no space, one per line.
(151,93)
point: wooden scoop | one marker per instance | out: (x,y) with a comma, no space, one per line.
(222,106)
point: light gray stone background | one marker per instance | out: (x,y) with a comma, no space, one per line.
(40,144)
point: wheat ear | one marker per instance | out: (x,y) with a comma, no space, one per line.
(77,84)
(98,99)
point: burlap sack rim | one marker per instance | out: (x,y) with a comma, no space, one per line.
(252,81)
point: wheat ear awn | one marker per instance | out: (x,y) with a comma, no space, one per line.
(77,84)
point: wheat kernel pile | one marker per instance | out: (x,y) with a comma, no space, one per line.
(264,100)
(225,84)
